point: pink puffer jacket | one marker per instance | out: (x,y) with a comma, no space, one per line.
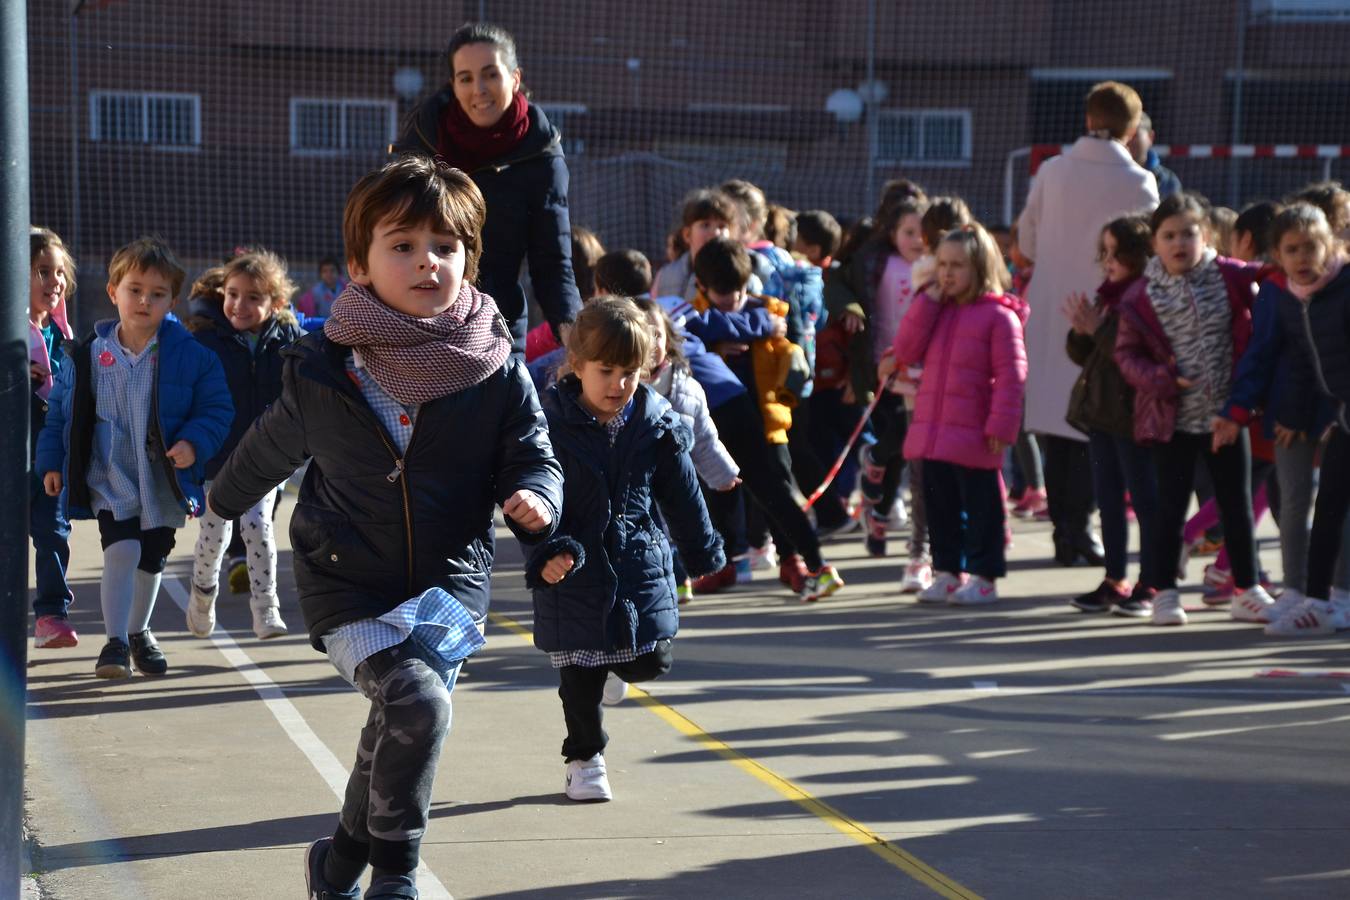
(974,376)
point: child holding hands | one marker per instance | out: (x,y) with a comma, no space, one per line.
(967,412)
(1178,343)
(1313,307)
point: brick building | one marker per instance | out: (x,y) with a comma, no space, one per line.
(217,124)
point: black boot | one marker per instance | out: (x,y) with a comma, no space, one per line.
(146,654)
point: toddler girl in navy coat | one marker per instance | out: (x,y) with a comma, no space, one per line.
(605,606)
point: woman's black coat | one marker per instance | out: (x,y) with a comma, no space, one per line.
(527,217)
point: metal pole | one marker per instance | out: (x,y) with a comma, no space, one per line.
(1009,178)
(76,119)
(871,105)
(15,390)
(1234,165)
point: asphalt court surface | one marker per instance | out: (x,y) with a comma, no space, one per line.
(862,747)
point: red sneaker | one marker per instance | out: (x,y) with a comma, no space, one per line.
(53,632)
(792,572)
(720,580)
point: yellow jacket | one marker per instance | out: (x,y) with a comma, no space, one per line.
(771,361)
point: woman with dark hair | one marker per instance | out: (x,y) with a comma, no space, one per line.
(482,122)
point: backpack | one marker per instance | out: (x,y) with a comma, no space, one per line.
(803,287)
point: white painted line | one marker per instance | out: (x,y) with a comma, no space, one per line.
(333,772)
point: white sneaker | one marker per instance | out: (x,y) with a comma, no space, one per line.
(899,514)
(978,591)
(201,612)
(1340,608)
(586,779)
(1289,600)
(764,559)
(1310,619)
(944,585)
(918,577)
(616,689)
(267,621)
(1251,605)
(1167,608)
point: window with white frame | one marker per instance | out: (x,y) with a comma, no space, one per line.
(150,118)
(938,137)
(558,115)
(322,125)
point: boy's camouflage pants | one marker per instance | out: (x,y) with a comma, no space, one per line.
(389,791)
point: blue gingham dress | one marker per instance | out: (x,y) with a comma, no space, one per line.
(594,659)
(439,623)
(123,478)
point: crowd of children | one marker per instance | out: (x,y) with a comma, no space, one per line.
(665,448)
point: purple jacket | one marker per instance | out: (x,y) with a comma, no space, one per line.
(974,376)
(1145,355)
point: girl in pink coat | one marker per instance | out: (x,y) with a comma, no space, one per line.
(968,410)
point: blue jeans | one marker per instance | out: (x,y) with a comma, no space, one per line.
(50,531)
(1120,465)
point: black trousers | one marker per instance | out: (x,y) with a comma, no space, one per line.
(1231,472)
(965,519)
(581,687)
(890,424)
(1333,499)
(809,469)
(766,475)
(1068,485)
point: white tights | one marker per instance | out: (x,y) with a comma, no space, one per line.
(260,551)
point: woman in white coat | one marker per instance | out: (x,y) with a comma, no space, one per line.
(1072,198)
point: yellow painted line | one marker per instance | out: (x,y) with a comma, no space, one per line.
(891,852)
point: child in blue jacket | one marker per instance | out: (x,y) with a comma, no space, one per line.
(605,607)
(132,420)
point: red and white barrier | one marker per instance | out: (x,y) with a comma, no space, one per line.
(1039,153)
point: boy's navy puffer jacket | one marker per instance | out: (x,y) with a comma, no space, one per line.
(254,376)
(374,527)
(620,593)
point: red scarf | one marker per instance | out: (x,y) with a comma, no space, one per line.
(466,146)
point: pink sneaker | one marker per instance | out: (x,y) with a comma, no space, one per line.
(53,632)
(1031,503)
(1218,587)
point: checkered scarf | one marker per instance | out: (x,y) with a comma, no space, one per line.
(416,360)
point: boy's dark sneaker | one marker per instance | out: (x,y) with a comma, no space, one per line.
(114,660)
(396,887)
(1139,605)
(315,887)
(1101,600)
(146,654)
